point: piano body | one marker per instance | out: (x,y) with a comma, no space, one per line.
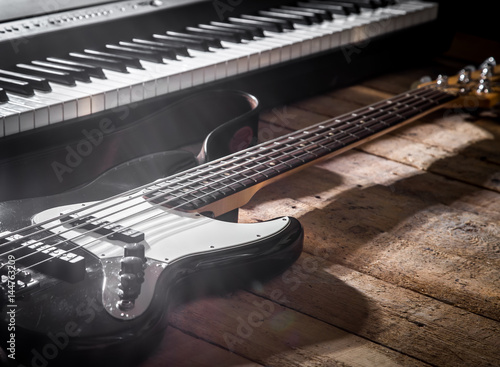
(65,72)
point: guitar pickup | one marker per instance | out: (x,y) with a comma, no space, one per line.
(111,230)
(46,258)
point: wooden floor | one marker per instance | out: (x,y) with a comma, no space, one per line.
(401,261)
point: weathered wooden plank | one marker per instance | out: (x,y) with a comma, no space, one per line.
(402,252)
(273,335)
(178,349)
(400,221)
(433,159)
(404,320)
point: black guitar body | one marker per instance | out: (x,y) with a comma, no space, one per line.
(62,323)
(56,318)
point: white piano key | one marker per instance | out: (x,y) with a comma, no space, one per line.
(120,84)
(210,64)
(35,102)
(56,104)
(254,50)
(133,91)
(10,122)
(2,125)
(40,110)
(97,97)
(108,92)
(67,102)
(202,69)
(19,118)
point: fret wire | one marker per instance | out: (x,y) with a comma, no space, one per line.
(441,97)
(181,178)
(349,132)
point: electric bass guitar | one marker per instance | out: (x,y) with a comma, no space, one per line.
(87,275)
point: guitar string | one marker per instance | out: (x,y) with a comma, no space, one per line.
(103,236)
(239,173)
(182,174)
(183,204)
(149,185)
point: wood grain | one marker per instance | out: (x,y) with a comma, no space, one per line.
(401,261)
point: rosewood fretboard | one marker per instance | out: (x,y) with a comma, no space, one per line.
(208,183)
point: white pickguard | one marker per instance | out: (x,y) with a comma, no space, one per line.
(169,234)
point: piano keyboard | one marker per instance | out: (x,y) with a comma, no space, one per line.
(86,81)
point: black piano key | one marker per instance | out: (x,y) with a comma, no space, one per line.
(294,18)
(165,52)
(147,55)
(77,73)
(211,41)
(285,24)
(243,33)
(224,36)
(102,62)
(254,30)
(132,62)
(334,9)
(313,17)
(92,70)
(322,13)
(3,96)
(184,42)
(367,4)
(35,81)
(51,75)
(350,7)
(180,50)
(267,26)
(16,86)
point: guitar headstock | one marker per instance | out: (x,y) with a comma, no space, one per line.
(482,84)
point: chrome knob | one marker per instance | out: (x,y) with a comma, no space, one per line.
(132,265)
(135,250)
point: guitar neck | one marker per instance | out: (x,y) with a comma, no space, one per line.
(229,182)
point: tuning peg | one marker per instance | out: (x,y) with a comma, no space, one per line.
(442,81)
(464,76)
(487,67)
(484,86)
(489,61)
